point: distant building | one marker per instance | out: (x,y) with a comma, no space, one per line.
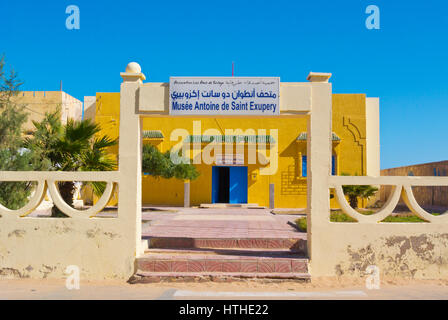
(39,102)
(430,197)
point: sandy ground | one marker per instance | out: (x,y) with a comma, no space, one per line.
(324,288)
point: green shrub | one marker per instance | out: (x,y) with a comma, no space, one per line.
(159,164)
(301,224)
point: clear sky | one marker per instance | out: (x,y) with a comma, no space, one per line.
(404,62)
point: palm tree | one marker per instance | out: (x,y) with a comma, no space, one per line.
(71,147)
(355,191)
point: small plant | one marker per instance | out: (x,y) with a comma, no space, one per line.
(301,224)
(356,191)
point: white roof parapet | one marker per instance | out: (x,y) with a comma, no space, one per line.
(318,77)
(133,73)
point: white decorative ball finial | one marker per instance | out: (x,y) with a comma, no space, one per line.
(133,73)
(133,67)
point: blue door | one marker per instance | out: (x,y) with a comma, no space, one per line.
(229,184)
(238,185)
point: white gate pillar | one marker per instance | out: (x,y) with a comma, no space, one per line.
(130,154)
(319,163)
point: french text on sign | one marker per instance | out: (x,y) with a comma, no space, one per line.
(224,96)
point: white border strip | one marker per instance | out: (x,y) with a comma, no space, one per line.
(302,294)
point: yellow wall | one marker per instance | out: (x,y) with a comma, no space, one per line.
(107,114)
(349,123)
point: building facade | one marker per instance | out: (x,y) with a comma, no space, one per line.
(355,151)
(37,103)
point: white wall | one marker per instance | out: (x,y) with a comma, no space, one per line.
(89,107)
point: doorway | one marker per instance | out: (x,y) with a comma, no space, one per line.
(221,185)
(229,184)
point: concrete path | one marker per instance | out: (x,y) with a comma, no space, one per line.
(218,223)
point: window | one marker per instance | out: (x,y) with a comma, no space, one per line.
(333,166)
(303,166)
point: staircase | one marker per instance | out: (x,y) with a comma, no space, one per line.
(223,259)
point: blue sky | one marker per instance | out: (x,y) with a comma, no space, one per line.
(404,63)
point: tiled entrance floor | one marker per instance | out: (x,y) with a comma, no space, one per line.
(218,223)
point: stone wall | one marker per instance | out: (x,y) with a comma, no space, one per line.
(432,197)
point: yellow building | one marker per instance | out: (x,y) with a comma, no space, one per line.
(355,152)
(37,103)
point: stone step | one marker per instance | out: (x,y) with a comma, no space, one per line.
(297,244)
(254,252)
(228,262)
(150,277)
